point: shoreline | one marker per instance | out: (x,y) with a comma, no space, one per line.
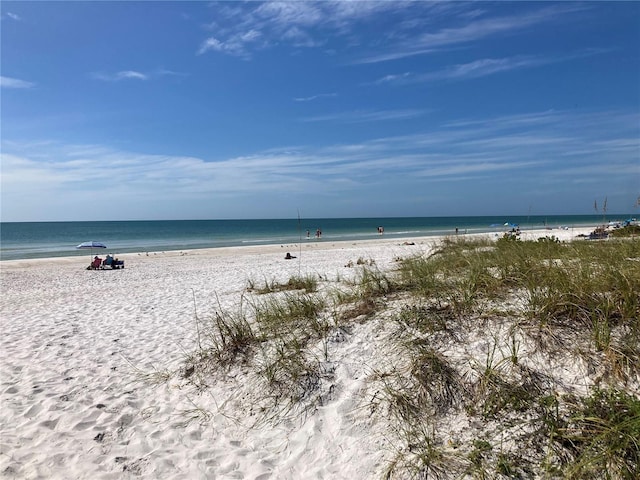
(569,234)
(32,241)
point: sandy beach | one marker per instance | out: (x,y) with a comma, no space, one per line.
(81,353)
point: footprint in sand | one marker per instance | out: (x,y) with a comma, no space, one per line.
(50,424)
(83,425)
(125,420)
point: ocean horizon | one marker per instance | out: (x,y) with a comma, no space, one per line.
(25,240)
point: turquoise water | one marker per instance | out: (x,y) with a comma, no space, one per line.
(56,239)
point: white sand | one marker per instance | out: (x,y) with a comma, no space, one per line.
(76,343)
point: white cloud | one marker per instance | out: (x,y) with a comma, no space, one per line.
(473,31)
(394,78)
(300,38)
(8,82)
(122,75)
(130,74)
(14,16)
(392,29)
(300,24)
(285,14)
(481,68)
(211,43)
(315,97)
(527,149)
(235,45)
(367,116)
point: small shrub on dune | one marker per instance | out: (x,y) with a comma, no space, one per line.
(223,339)
(627,231)
(438,385)
(422,456)
(291,313)
(291,378)
(600,435)
(308,283)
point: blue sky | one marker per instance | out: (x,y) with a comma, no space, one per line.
(198,110)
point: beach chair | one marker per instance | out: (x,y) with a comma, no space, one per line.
(95,264)
(112,263)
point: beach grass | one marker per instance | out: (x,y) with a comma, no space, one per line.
(482,329)
(308,283)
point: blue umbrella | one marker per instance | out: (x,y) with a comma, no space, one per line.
(91,246)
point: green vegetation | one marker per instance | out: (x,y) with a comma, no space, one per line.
(598,435)
(477,333)
(627,231)
(307,283)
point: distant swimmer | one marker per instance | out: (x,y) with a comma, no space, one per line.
(380,230)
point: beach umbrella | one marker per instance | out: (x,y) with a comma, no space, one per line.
(91,246)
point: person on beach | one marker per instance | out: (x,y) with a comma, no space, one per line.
(97,261)
(288,256)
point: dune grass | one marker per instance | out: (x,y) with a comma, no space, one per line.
(308,283)
(479,331)
(582,297)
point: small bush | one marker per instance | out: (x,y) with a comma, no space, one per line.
(291,314)
(224,339)
(627,231)
(547,239)
(602,436)
(308,283)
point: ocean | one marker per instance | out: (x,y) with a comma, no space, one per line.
(23,240)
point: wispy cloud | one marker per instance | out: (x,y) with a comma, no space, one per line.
(562,140)
(367,116)
(482,68)
(162,72)
(477,28)
(14,16)
(118,76)
(237,44)
(239,29)
(8,82)
(408,28)
(135,75)
(536,151)
(481,28)
(315,97)
(395,78)
(476,69)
